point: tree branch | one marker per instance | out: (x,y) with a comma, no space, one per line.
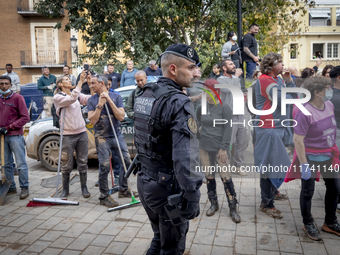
(124,19)
(176,30)
(194,39)
(184,35)
(206,7)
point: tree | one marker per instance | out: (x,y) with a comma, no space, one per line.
(143,29)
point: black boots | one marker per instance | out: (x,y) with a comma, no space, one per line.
(232,201)
(66,185)
(83,180)
(214,203)
(231,196)
(233,209)
(211,185)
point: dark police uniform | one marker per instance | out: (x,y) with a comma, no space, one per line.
(166,142)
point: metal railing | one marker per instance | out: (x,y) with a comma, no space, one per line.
(31,58)
(26,8)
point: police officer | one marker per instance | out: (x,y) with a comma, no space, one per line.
(165,138)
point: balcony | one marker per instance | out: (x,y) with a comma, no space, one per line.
(34,59)
(26,8)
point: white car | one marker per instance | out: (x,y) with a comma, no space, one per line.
(42,141)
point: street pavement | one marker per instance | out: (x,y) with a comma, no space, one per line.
(90,229)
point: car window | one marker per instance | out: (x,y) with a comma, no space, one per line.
(125,95)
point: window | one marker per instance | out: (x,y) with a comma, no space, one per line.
(326,50)
(320,17)
(318,50)
(332,50)
(35,78)
(338,16)
(32,3)
(44,43)
(293,51)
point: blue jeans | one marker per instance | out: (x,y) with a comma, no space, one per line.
(105,145)
(116,163)
(16,144)
(251,66)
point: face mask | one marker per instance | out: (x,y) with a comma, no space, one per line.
(234,38)
(5,92)
(329,94)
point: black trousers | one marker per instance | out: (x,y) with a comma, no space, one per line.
(168,239)
(331,179)
(268,191)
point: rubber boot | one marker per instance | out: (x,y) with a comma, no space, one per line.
(83,179)
(66,185)
(233,210)
(211,186)
(214,203)
(232,201)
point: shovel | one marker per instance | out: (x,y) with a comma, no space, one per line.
(4,183)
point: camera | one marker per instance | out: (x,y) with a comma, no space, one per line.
(87,69)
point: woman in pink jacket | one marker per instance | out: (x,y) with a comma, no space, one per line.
(74,134)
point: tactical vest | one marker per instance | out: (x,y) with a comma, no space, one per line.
(153,141)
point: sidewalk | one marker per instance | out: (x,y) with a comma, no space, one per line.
(90,229)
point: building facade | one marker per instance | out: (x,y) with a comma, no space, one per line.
(321,36)
(29,41)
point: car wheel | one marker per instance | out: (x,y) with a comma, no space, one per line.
(49,152)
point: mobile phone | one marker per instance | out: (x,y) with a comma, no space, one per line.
(105,68)
(86,67)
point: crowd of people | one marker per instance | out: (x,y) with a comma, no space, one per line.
(171,140)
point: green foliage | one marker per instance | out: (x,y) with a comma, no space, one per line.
(142,29)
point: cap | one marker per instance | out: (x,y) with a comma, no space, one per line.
(184,51)
(335,72)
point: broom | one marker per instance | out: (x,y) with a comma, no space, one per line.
(134,200)
(57,200)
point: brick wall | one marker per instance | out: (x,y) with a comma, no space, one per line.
(16,36)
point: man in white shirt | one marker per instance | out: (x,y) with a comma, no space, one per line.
(66,71)
(14,77)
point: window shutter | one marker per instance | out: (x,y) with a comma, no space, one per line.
(40,45)
(50,45)
(45,45)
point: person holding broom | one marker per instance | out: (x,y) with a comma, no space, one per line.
(100,119)
(74,134)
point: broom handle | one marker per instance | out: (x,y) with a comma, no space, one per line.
(60,146)
(120,151)
(3,175)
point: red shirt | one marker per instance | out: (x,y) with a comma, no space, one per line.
(13,113)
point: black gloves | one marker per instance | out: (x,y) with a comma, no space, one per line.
(189,210)
(3,131)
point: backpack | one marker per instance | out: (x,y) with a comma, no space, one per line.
(56,118)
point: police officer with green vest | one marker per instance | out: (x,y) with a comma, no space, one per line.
(167,145)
